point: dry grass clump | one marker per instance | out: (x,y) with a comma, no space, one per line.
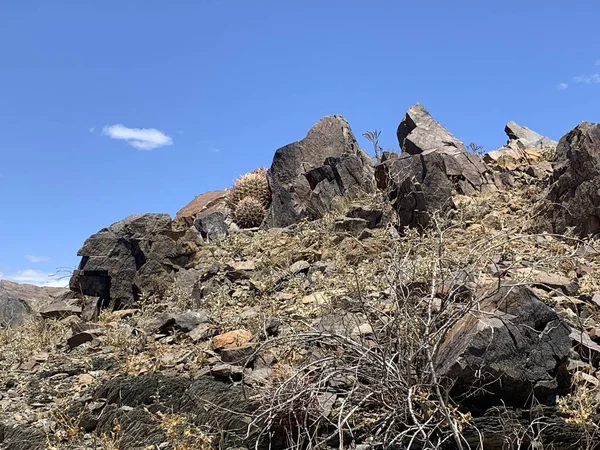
(35,335)
(182,434)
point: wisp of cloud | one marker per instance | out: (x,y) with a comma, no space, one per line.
(140,138)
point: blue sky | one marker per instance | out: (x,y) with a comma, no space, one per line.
(217,86)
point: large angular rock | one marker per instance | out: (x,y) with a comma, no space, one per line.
(432,167)
(574,196)
(19,301)
(518,135)
(139,255)
(306,176)
(523,148)
(418,132)
(513,348)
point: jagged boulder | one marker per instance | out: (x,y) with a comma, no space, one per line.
(432,167)
(19,301)
(573,199)
(138,255)
(523,148)
(513,349)
(307,176)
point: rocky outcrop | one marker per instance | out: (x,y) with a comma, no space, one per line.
(139,255)
(574,196)
(432,166)
(307,176)
(18,301)
(523,148)
(514,349)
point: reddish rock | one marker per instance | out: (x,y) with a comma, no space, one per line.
(232,339)
(208,202)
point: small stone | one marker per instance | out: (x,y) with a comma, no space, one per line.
(596,299)
(318,298)
(349,225)
(284,296)
(272,326)
(85,378)
(231,339)
(85,336)
(28,366)
(247,266)
(363,329)
(202,332)
(226,370)
(238,355)
(124,313)
(300,267)
(249,313)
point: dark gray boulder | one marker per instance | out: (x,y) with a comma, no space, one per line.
(511,350)
(573,199)
(141,254)
(307,176)
(211,225)
(432,167)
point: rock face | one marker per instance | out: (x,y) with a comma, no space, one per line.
(523,136)
(524,147)
(432,166)
(419,132)
(207,202)
(138,255)
(18,301)
(306,176)
(574,196)
(515,348)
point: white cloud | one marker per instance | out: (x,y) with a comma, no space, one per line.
(588,79)
(36,277)
(91,129)
(597,62)
(36,259)
(562,86)
(140,138)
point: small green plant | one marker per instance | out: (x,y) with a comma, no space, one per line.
(477,149)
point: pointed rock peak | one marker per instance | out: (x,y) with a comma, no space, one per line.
(527,137)
(419,132)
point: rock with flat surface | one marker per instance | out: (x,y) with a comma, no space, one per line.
(307,176)
(514,348)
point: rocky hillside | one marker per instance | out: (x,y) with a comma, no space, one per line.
(434,298)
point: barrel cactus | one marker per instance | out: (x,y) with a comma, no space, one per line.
(249,198)
(249,212)
(253,184)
